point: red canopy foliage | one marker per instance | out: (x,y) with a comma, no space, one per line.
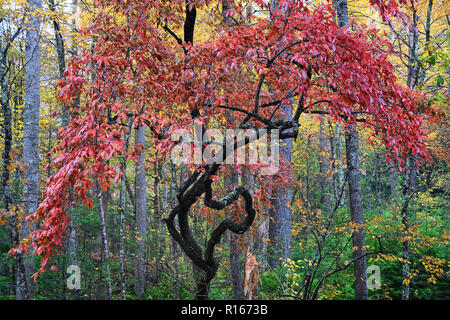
(139,71)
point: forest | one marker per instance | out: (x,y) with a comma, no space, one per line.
(224,150)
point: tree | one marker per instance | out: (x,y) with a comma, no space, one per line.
(141,213)
(149,75)
(280,220)
(30,144)
(354,188)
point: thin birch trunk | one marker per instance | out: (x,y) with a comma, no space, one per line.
(104,235)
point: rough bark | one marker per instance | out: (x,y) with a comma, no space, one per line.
(412,81)
(427,41)
(354,187)
(235,254)
(30,142)
(60,54)
(280,222)
(173,243)
(6,126)
(158,224)
(413,46)
(356,212)
(141,214)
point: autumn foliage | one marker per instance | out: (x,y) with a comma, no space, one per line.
(138,73)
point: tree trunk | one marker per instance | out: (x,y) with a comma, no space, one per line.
(408,191)
(174,244)
(158,237)
(60,53)
(141,215)
(235,253)
(280,224)
(413,78)
(122,204)
(413,45)
(354,187)
(357,216)
(7,129)
(30,143)
(104,235)
(427,41)
(325,201)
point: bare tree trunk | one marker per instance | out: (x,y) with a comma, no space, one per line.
(122,201)
(357,216)
(427,40)
(412,81)
(104,235)
(174,244)
(60,53)
(280,224)
(324,166)
(408,192)
(30,143)
(354,187)
(141,215)
(235,253)
(123,204)
(158,237)
(7,127)
(73,242)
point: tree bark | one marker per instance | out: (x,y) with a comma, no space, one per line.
(174,245)
(158,237)
(412,81)
(122,205)
(60,53)
(30,143)
(413,46)
(357,215)
(280,224)
(235,253)
(104,235)
(7,127)
(141,214)
(325,151)
(354,187)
